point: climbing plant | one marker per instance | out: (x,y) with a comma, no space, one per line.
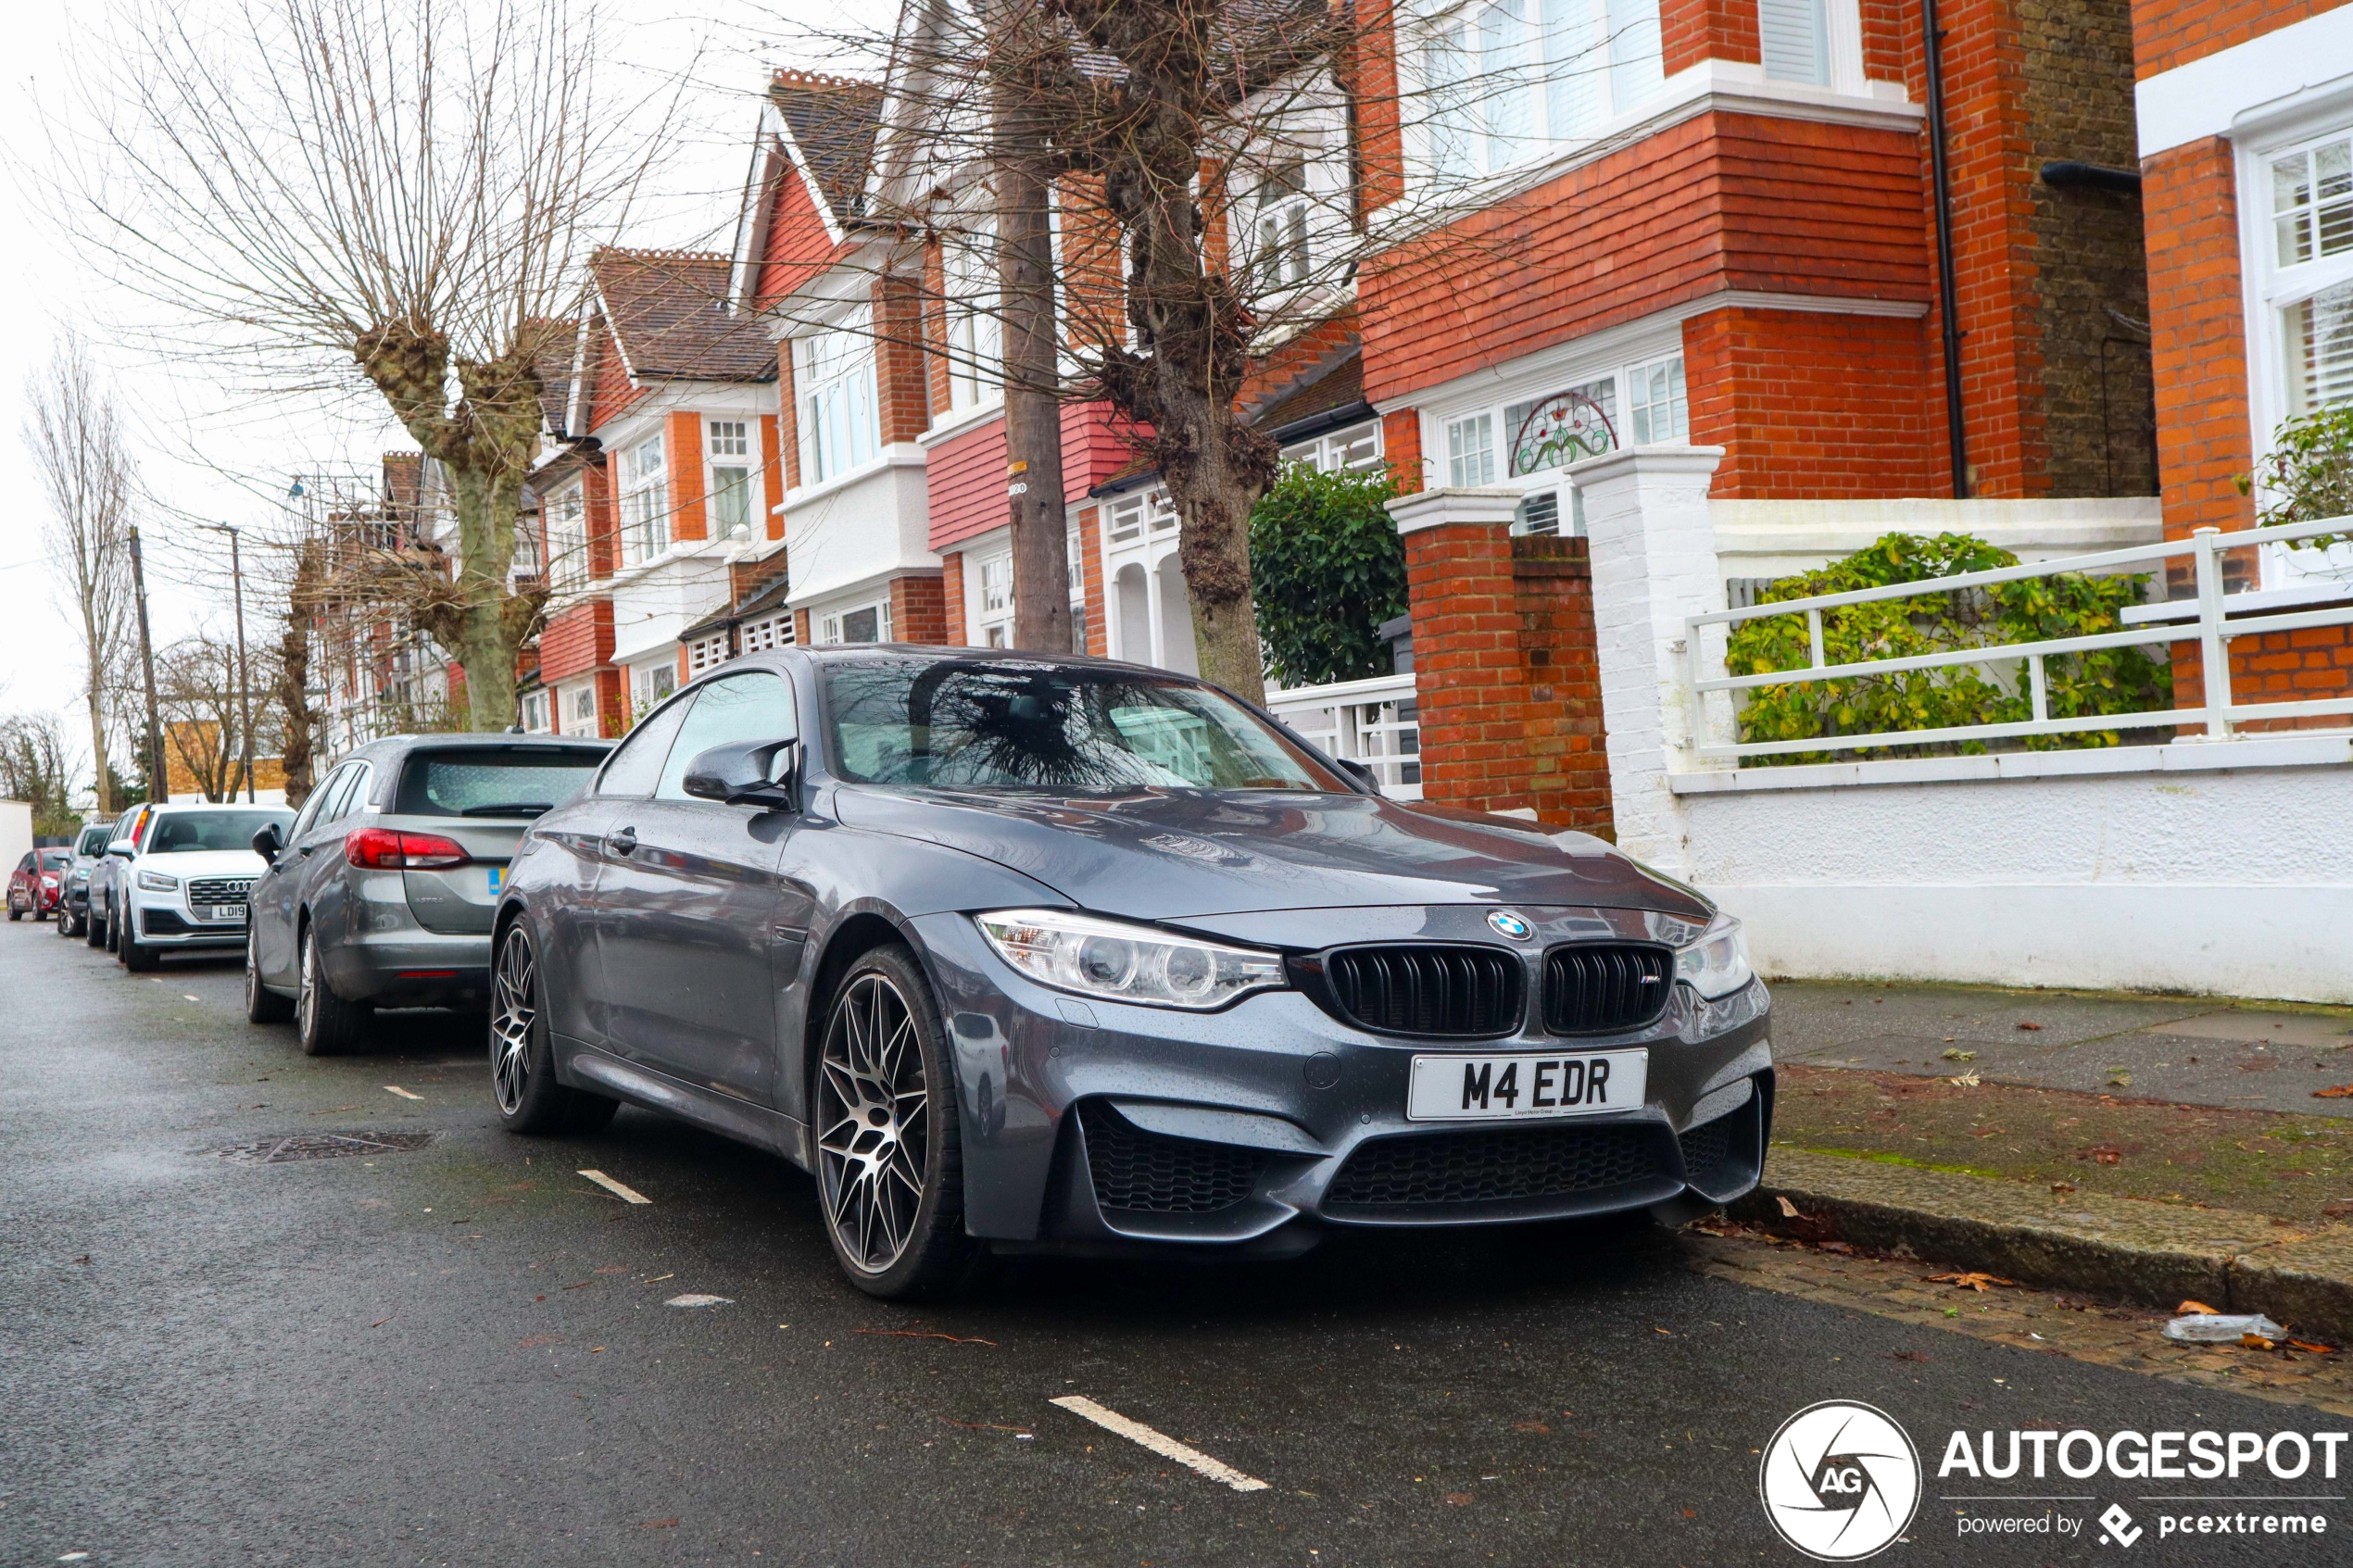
(2308,475)
(2032,610)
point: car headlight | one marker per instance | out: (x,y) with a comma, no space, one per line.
(1120,962)
(1715,965)
(156,881)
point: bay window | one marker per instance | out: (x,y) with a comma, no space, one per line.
(645,502)
(1281,257)
(1507,81)
(567,541)
(730,476)
(1526,441)
(834,376)
(2312,284)
(866,624)
(975,338)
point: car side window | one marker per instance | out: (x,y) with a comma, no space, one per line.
(637,765)
(316,806)
(363,778)
(741,710)
(25,864)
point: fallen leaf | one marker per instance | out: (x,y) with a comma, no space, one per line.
(2062,1186)
(988,1426)
(2316,1349)
(83,1258)
(656,1524)
(657,1279)
(1457,1499)
(2102,1154)
(2029,1026)
(537,1340)
(2334,1091)
(1968,1079)
(2255,1342)
(2196,1309)
(1691,1514)
(918,1333)
(1974,1280)
(1789,1210)
(581,1286)
(380,1322)
(1958,1055)
(1669,1332)
(1537,1427)
(2340,1208)
(1910,1355)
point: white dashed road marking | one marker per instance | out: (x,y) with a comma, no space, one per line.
(396,1089)
(1160,1443)
(632,1194)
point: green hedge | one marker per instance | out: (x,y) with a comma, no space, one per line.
(1326,568)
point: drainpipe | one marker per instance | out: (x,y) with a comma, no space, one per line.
(1955,435)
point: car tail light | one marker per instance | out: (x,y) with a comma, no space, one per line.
(380,849)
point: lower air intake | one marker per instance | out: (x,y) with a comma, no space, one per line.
(1147,1172)
(1495,1165)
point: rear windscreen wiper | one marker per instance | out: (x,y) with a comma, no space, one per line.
(510,808)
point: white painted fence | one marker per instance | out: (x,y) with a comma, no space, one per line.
(2210,625)
(1370,722)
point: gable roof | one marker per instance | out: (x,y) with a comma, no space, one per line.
(830,122)
(669,314)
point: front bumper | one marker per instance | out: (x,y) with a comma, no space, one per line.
(1097,1125)
(166,925)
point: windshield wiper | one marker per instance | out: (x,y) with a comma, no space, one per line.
(510,808)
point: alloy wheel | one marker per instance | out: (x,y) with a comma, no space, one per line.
(306,990)
(873,1140)
(512,1010)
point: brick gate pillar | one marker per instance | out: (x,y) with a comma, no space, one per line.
(1469,679)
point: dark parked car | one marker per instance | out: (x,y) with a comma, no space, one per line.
(73,911)
(38,882)
(1033,954)
(381,892)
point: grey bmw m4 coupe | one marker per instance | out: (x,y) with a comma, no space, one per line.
(1021,953)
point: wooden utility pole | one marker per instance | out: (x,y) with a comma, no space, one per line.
(158,780)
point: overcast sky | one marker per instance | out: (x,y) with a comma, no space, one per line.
(206,454)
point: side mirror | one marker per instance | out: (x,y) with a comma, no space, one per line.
(268,843)
(1361,774)
(748,775)
(125,850)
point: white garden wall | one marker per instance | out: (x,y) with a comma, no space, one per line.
(2223,868)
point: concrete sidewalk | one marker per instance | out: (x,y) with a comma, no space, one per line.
(2154,1052)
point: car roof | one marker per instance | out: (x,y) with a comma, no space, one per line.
(163,807)
(837,653)
(401,745)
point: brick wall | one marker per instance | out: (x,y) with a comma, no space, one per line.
(772,472)
(1693,31)
(1723,201)
(612,705)
(788,417)
(1090,575)
(686,519)
(600,519)
(1400,437)
(1505,675)
(746,578)
(1366,69)
(801,627)
(576,639)
(952,599)
(1809,404)
(2099,420)
(2175,32)
(2190,206)
(2275,667)
(902,367)
(918,613)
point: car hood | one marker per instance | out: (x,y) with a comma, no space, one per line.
(188,865)
(1171,855)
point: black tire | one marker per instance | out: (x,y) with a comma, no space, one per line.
(114,932)
(136,956)
(890,1167)
(262,1004)
(15,914)
(325,1023)
(66,928)
(523,1058)
(94,929)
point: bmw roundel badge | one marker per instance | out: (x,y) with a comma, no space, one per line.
(1509,925)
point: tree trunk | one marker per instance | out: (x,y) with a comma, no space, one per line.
(293,674)
(1032,377)
(97,696)
(486,647)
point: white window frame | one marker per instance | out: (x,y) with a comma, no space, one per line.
(976,334)
(833,384)
(644,501)
(1506,82)
(994,618)
(568,539)
(2274,285)
(829,625)
(732,449)
(538,712)
(1472,443)
(1350,446)
(649,684)
(707,653)
(576,704)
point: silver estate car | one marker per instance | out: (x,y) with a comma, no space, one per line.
(381,892)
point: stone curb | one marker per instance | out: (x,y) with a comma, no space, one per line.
(2158,1254)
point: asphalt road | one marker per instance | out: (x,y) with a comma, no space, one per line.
(461,1354)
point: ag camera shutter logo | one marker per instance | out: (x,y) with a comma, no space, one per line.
(1840,1481)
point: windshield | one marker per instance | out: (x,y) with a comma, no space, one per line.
(483,782)
(94,841)
(188,832)
(1014,724)
(55,859)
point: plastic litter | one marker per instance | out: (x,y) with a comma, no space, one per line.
(697,1299)
(2220,1328)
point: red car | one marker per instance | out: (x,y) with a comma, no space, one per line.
(38,882)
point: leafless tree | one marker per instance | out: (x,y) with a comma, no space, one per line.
(75,431)
(196,687)
(394,195)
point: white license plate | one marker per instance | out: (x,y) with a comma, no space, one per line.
(222,913)
(1485,1088)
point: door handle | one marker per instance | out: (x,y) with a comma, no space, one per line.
(624,842)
